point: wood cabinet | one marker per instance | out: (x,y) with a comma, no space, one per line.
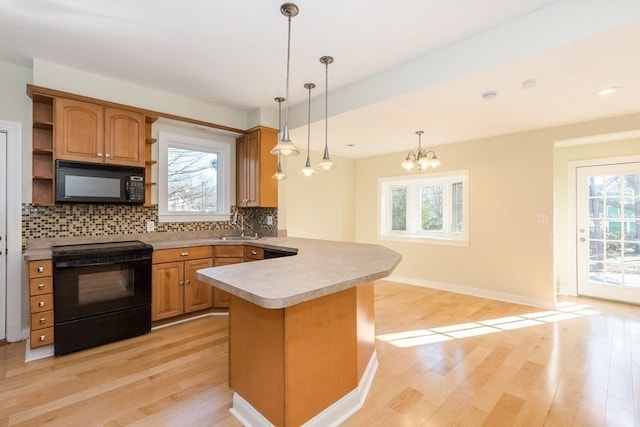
(43,172)
(225,255)
(93,133)
(254,167)
(175,288)
(41,303)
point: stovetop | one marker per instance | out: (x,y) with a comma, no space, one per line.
(102,249)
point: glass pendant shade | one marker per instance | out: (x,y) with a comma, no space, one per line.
(307,170)
(279,172)
(285,147)
(326,163)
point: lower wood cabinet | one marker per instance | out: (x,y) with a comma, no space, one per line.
(41,303)
(225,255)
(176,290)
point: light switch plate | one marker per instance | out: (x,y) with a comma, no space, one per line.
(269,219)
(151,226)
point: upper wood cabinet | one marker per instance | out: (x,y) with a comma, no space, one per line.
(93,133)
(254,167)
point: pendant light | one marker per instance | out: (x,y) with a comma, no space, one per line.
(326,163)
(308,170)
(285,147)
(421,158)
(279,172)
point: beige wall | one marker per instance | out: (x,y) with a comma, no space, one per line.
(562,156)
(322,206)
(510,255)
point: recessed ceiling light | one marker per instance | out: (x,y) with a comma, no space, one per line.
(529,84)
(608,91)
(350,145)
(489,96)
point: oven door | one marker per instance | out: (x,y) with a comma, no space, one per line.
(97,287)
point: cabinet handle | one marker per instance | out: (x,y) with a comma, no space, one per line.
(40,269)
(181,283)
(99,154)
(41,286)
(187,282)
(43,320)
(107,155)
(41,304)
(184,253)
(254,252)
(42,337)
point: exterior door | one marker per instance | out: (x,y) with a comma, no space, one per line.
(3,234)
(608,231)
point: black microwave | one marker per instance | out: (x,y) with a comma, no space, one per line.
(98,183)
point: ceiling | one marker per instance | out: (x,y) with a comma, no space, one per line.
(399,66)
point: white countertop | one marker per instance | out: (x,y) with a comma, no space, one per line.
(320,268)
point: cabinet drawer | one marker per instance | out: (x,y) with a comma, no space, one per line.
(42,337)
(42,320)
(253,253)
(228,251)
(40,285)
(39,268)
(181,254)
(41,303)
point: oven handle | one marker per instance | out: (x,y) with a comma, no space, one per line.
(99,261)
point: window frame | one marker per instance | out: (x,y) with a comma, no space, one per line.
(222,149)
(413,232)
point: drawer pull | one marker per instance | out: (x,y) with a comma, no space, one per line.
(253,252)
(41,286)
(43,320)
(41,304)
(184,253)
(41,269)
(42,337)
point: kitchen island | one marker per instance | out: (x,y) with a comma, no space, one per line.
(302,331)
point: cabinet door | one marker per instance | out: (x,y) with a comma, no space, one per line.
(197,295)
(124,137)
(241,174)
(167,291)
(220,297)
(79,130)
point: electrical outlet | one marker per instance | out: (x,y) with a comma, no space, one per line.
(269,219)
(151,226)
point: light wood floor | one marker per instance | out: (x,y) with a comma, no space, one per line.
(577,367)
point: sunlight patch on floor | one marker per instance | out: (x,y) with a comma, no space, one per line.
(565,311)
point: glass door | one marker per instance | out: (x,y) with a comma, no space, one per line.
(608,221)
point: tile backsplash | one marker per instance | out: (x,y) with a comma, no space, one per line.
(83,219)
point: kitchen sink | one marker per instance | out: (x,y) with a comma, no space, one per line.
(238,238)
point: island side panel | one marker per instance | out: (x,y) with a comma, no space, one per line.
(256,357)
(320,354)
(366,324)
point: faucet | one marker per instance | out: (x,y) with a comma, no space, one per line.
(234,221)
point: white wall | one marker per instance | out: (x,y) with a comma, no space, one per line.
(15,106)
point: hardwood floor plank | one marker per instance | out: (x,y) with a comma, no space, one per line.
(582,371)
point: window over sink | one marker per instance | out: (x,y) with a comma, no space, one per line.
(194,179)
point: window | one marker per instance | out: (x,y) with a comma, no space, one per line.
(194,179)
(429,208)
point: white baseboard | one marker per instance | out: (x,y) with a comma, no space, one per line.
(331,416)
(37,353)
(476,292)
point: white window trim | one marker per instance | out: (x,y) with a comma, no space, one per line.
(224,172)
(384,209)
